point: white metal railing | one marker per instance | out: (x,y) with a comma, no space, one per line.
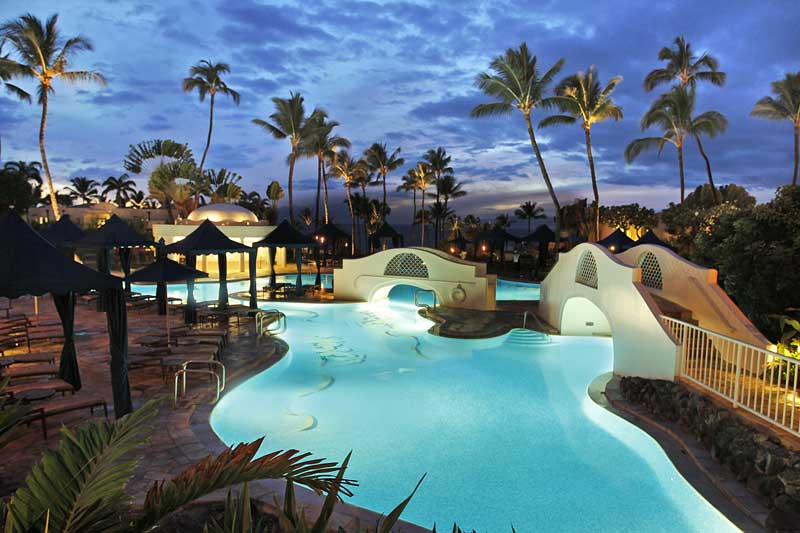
(762,382)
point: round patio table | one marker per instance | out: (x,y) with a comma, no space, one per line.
(34,395)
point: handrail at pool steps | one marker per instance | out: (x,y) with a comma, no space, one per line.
(265,319)
(424,291)
(219,377)
(760,381)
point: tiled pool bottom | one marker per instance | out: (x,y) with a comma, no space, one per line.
(506,435)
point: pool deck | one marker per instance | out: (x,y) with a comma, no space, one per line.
(472,324)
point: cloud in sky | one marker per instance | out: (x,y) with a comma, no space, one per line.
(402,73)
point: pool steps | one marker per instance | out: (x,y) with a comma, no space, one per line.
(525,338)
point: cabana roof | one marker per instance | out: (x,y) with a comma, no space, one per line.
(617,241)
(63,233)
(541,234)
(115,232)
(286,236)
(165,270)
(651,238)
(495,235)
(332,233)
(206,239)
(31,265)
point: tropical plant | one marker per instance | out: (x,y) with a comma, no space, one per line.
(581,99)
(254,202)
(44,56)
(628,217)
(447,188)
(684,67)
(381,161)
(80,486)
(163,186)
(409,184)
(223,185)
(6,74)
(422,176)
(439,163)
(306,217)
(785,105)
(159,151)
(84,189)
(516,83)
(322,144)
(503,221)
(274,194)
(137,200)
(12,412)
(206,79)
(579,218)
(673,113)
(349,169)
(289,121)
(529,211)
(19,187)
(122,187)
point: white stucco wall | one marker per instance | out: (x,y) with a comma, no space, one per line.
(364,279)
(642,345)
(695,288)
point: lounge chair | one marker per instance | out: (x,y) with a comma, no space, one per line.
(56,385)
(64,405)
(28,371)
(41,357)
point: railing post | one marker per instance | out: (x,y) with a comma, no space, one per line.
(684,346)
(738,377)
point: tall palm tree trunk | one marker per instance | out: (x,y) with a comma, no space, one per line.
(422,236)
(680,166)
(796,153)
(352,221)
(717,196)
(546,178)
(594,185)
(529,225)
(324,188)
(42,128)
(208,145)
(291,175)
(437,221)
(319,184)
(414,213)
(383,214)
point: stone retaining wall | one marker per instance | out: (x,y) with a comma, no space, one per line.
(769,468)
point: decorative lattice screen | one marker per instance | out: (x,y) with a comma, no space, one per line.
(407,265)
(586,273)
(651,271)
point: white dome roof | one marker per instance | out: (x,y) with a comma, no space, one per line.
(222,213)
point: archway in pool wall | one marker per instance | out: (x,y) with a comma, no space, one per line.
(580,316)
(403,293)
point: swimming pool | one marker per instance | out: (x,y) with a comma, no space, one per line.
(208,291)
(506,435)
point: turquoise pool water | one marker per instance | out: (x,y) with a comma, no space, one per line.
(506,435)
(506,290)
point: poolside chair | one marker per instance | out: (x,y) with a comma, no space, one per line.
(18,372)
(62,406)
(36,357)
(56,385)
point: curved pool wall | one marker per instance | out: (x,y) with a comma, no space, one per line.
(506,435)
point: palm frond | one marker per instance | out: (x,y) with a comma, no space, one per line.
(636,147)
(80,487)
(232,467)
(491,109)
(556,120)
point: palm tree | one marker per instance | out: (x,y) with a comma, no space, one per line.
(409,184)
(529,211)
(122,187)
(322,144)
(349,169)
(254,202)
(44,56)
(137,199)
(448,188)
(289,121)
(684,66)
(439,162)
(516,83)
(580,98)
(784,106)
(672,112)
(306,217)
(274,194)
(206,79)
(710,123)
(84,189)
(382,162)
(503,221)
(422,176)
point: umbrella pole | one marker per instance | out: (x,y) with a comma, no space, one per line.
(167,320)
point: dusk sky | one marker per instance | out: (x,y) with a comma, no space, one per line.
(403,73)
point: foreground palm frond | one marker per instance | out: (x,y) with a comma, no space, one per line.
(235,466)
(80,487)
(10,415)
